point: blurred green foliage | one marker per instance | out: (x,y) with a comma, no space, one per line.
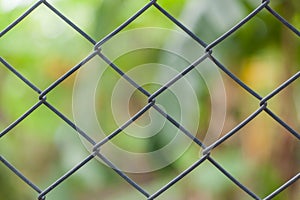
(263,53)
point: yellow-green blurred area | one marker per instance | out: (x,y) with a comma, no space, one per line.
(263,54)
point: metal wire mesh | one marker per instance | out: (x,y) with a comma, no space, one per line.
(207,55)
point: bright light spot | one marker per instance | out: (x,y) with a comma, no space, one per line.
(8,5)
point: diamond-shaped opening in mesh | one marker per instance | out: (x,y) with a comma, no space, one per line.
(264,151)
(50,49)
(151,76)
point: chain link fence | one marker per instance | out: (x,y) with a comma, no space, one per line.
(262,101)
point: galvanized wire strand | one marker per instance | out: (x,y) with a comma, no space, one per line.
(234,130)
(123,175)
(65,176)
(237,26)
(122,26)
(69,22)
(20,175)
(283,187)
(283,21)
(234,180)
(19,19)
(180,25)
(178,178)
(121,128)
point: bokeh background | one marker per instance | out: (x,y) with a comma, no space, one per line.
(263,54)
